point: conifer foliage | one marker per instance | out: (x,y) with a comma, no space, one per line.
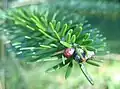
(45,33)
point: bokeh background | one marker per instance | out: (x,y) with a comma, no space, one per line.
(103,14)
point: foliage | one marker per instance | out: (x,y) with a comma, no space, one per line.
(43,32)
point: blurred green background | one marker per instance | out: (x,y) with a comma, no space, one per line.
(17,75)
